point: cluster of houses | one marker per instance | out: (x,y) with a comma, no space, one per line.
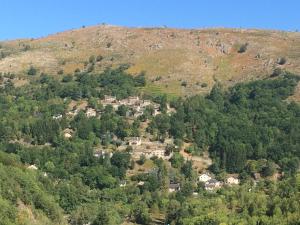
(136,105)
(89,112)
(140,148)
(100,153)
(147,148)
(211,184)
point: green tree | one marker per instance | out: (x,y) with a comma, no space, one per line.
(177,160)
(32,71)
(141,214)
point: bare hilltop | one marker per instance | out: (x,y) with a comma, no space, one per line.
(178,62)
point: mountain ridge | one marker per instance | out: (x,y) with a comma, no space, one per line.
(178,62)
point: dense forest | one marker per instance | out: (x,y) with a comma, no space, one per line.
(249,122)
(248,129)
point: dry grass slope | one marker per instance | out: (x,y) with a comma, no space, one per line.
(177,56)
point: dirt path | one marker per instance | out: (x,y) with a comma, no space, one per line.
(200,163)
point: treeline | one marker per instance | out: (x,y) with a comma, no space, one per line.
(85,85)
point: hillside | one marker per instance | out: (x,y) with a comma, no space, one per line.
(177,61)
(72,154)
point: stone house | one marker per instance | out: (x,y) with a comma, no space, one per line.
(68,133)
(134,141)
(213,184)
(132,100)
(109,99)
(149,153)
(32,167)
(232,180)
(90,112)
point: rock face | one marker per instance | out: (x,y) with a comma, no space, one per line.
(194,56)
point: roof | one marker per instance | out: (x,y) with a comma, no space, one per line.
(212,181)
(205,174)
(174,185)
(68,130)
(133,138)
(141,183)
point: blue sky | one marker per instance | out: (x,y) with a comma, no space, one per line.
(37,18)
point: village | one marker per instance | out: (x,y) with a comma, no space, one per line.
(144,146)
(134,103)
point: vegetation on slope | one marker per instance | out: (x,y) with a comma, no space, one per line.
(248,129)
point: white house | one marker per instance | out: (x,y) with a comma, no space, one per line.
(123,183)
(174,187)
(67,135)
(141,183)
(232,180)
(103,154)
(204,178)
(57,117)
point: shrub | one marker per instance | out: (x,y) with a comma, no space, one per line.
(2,55)
(189,149)
(60,72)
(140,80)
(26,48)
(90,68)
(32,71)
(276,72)
(99,58)
(281,60)
(184,83)
(92,59)
(62,62)
(157,78)
(204,85)
(44,78)
(142,160)
(243,48)
(67,78)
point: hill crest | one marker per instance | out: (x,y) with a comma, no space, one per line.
(176,61)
